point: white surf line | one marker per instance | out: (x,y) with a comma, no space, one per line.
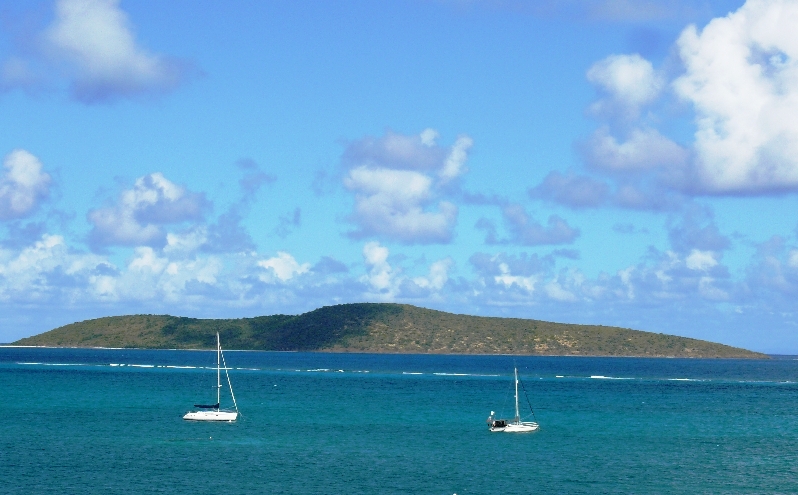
(61,364)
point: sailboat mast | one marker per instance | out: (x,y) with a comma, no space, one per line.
(517,413)
(219,381)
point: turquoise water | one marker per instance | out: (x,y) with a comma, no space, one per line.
(109,421)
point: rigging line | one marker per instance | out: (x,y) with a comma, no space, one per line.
(228,380)
(527,401)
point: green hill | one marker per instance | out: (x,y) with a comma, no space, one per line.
(372,327)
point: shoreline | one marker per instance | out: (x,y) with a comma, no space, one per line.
(347,351)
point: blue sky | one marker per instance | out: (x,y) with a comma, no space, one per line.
(628,163)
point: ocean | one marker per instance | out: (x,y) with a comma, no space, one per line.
(105,421)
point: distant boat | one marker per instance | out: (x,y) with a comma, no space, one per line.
(211,412)
(516,425)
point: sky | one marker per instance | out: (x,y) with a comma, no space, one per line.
(612,162)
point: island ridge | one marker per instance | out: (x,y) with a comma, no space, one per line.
(380,328)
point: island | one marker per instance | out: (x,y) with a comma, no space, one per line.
(380,328)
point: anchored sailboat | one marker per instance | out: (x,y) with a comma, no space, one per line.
(516,425)
(211,412)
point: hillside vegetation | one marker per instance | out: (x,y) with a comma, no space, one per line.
(373,327)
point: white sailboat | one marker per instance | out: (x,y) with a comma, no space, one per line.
(211,412)
(516,425)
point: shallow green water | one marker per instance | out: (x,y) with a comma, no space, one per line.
(394,424)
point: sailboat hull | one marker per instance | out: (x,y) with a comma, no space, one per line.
(211,416)
(525,427)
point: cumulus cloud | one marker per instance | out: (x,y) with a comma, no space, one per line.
(386,282)
(47,267)
(516,279)
(380,273)
(179,277)
(740,79)
(23,185)
(92,44)
(95,37)
(701,260)
(438,275)
(454,165)
(138,216)
(508,280)
(647,171)
(283,266)
(398,182)
(682,280)
(629,81)
(670,276)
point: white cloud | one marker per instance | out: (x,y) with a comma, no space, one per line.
(399,182)
(137,216)
(428,137)
(186,242)
(742,79)
(556,291)
(508,280)
(387,283)
(284,266)
(27,275)
(23,185)
(152,276)
(95,37)
(626,278)
(454,165)
(701,260)
(438,275)
(391,202)
(629,80)
(147,260)
(91,44)
(380,276)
